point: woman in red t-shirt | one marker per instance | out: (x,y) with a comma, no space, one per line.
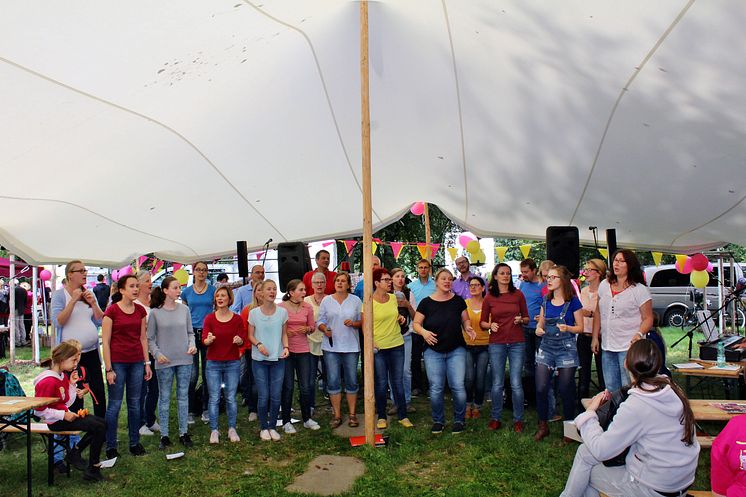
(125,345)
(223,333)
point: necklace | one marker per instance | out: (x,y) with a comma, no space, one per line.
(318,301)
(200,290)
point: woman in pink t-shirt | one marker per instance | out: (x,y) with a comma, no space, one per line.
(300,324)
(125,345)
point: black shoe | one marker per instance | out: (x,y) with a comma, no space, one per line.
(437,428)
(112,453)
(137,450)
(186,440)
(94,475)
(165,442)
(416,392)
(60,467)
(75,460)
(457,428)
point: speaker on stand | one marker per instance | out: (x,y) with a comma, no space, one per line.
(563,247)
(293,261)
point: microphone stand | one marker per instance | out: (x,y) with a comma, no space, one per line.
(690,333)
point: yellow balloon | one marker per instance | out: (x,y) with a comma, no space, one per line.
(473,247)
(699,279)
(181,276)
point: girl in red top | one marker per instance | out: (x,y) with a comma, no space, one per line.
(504,314)
(55,382)
(125,344)
(300,324)
(223,333)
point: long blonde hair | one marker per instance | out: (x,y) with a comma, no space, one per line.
(65,350)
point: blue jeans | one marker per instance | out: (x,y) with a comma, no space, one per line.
(225,374)
(199,362)
(149,397)
(477,358)
(268,376)
(615,374)
(499,354)
(451,366)
(297,364)
(337,364)
(129,374)
(247,383)
(389,364)
(165,381)
(407,378)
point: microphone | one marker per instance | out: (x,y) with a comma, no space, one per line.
(267,242)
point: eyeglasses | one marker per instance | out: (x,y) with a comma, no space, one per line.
(552,277)
(385,279)
(591,269)
(474,285)
(79,271)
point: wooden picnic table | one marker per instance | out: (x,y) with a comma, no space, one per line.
(702,409)
(708,370)
(9,408)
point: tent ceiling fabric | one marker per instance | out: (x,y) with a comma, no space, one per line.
(181,127)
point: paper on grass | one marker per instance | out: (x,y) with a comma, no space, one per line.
(108,463)
(571,431)
(175,455)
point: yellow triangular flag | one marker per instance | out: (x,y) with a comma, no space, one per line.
(373,247)
(525,250)
(453,252)
(604,252)
(500,251)
(680,259)
(657,256)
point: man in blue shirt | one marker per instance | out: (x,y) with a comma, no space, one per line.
(243,295)
(421,288)
(359,288)
(461,284)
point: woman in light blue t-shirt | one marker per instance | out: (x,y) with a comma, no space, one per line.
(269,345)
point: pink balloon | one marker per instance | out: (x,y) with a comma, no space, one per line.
(114,275)
(710,267)
(45,275)
(464,240)
(687,269)
(418,208)
(699,262)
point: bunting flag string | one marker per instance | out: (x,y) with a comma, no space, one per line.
(501,251)
(657,257)
(453,252)
(525,250)
(396,247)
(604,252)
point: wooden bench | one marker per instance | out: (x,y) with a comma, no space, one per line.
(705,441)
(692,493)
(50,442)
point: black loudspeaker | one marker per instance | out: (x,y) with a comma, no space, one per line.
(243,259)
(611,244)
(563,247)
(293,261)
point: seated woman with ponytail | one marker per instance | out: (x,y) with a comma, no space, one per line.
(655,422)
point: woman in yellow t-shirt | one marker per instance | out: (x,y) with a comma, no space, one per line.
(388,348)
(477,355)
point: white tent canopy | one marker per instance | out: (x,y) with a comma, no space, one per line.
(181,127)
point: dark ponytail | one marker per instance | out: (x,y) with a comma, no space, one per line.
(290,287)
(121,284)
(157,294)
(644,361)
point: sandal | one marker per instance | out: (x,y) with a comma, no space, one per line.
(353,422)
(335,423)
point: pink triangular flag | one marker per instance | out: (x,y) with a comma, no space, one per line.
(326,244)
(434,249)
(157,266)
(349,245)
(259,255)
(176,266)
(396,248)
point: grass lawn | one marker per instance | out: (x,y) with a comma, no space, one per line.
(475,463)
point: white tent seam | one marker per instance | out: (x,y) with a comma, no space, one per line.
(323,85)
(460,112)
(622,92)
(152,120)
(710,221)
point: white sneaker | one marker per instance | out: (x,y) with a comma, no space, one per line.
(274,435)
(155,427)
(289,428)
(214,437)
(264,435)
(145,431)
(233,436)
(311,424)
(206,417)
(253,417)
(190,419)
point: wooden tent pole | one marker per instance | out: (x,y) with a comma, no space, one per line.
(370,409)
(426,215)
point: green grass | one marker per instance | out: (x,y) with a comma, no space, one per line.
(476,463)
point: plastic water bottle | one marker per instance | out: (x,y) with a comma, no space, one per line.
(721,354)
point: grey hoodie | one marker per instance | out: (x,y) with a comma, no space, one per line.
(648,423)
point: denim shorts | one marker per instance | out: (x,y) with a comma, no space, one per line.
(556,353)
